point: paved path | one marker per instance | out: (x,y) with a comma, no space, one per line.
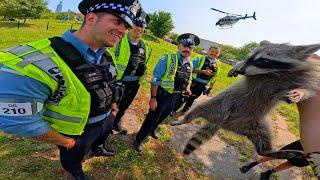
(221,160)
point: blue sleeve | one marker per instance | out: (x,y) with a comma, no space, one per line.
(18,88)
(195,63)
(159,71)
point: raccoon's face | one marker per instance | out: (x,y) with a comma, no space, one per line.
(272,58)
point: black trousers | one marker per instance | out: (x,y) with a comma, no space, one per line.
(196,89)
(165,104)
(93,136)
(130,92)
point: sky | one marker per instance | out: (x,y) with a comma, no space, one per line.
(280,21)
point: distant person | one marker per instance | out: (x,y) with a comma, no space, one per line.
(296,161)
(62,90)
(206,71)
(132,55)
(171,78)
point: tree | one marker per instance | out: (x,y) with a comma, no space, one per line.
(246,49)
(22,9)
(160,23)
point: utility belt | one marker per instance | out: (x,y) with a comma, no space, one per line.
(97,124)
(162,92)
(130,84)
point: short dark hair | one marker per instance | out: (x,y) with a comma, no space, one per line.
(214,47)
(99,14)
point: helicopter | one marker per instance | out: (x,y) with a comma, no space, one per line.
(229,20)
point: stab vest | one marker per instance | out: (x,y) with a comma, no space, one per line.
(123,56)
(98,79)
(206,64)
(176,75)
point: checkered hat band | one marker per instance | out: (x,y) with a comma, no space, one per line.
(187,41)
(112,6)
(139,21)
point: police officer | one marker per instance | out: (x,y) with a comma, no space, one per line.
(171,78)
(206,70)
(64,86)
(132,55)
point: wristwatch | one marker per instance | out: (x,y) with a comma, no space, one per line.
(153,97)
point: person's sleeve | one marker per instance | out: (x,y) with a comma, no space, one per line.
(23,92)
(159,71)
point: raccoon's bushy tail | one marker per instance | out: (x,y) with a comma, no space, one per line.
(200,137)
(194,113)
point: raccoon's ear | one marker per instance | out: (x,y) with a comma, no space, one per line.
(305,51)
(264,43)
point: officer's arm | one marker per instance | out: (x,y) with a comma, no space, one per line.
(158,72)
(26,94)
(54,137)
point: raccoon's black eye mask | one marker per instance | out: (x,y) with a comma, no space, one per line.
(265,63)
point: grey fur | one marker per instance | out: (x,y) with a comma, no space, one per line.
(273,72)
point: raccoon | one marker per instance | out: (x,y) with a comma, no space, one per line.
(272,73)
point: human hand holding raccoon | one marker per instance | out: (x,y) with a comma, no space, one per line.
(297,95)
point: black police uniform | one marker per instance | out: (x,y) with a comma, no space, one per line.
(136,68)
(197,87)
(99,81)
(166,102)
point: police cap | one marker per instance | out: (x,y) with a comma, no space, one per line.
(142,19)
(124,9)
(189,39)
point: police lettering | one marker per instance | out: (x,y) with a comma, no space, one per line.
(12,105)
(13,111)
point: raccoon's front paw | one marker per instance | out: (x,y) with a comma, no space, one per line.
(294,96)
(176,123)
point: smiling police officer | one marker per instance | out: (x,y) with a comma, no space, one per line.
(132,55)
(171,78)
(64,86)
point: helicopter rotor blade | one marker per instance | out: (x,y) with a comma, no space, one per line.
(254,16)
(219,11)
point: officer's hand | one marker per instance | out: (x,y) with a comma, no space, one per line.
(188,92)
(70,142)
(207,72)
(114,112)
(153,104)
(209,91)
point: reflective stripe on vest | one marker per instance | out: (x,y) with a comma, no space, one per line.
(33,57)
(167,81)
(57,115)
(19,50)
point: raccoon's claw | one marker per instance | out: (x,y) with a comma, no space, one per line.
(285,154)
(176,123)
(233,73)
(294,96)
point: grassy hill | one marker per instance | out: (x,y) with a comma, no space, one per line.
(23,158)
